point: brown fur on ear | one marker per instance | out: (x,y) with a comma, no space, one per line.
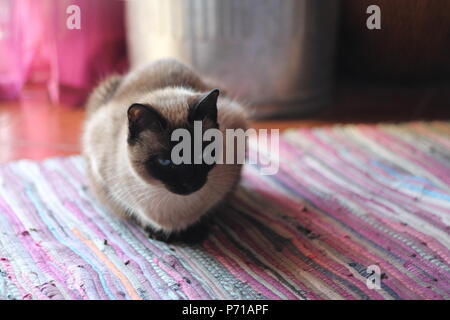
(142,117)
(206,107)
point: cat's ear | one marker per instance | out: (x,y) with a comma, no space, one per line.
(206,107)
(142,117)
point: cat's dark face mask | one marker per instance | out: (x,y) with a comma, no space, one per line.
(184,178)
(181,179)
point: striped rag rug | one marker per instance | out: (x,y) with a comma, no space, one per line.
(355,212)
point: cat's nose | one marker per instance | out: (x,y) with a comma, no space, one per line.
(183,189)
(187,186)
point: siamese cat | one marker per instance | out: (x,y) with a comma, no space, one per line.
(126,144)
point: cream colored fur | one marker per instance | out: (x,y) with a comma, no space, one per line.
(114,170)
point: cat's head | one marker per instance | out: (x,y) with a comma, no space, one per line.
(150,126)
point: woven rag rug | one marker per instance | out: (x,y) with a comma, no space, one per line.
(349,205)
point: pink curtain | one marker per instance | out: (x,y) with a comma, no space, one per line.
(38,48)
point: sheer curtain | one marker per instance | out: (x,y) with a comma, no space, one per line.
(38,48)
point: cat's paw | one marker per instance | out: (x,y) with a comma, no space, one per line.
(194,234)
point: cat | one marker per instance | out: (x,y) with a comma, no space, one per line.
(126,145)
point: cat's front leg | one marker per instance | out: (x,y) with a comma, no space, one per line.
(194,234)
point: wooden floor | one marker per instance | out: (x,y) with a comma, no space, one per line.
(35,129)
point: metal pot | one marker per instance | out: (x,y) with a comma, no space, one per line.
(277,56)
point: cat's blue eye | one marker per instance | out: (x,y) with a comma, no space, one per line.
(164,162)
